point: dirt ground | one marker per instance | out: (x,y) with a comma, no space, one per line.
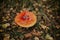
(48,20)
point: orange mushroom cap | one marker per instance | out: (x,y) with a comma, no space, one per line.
(25,19)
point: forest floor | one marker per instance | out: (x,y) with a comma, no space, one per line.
(48,20)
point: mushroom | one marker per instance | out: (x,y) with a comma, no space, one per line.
(26,19)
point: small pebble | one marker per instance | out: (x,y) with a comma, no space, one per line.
(12,39)
(48,37)
(36,9)
(5,25)
(11,8)
(36,38)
